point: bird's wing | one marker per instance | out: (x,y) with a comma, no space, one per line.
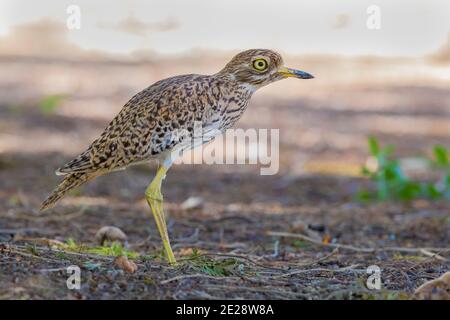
(138,131)
(110,150)
(82,163)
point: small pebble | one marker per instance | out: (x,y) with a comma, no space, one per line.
(110,233)
(192,203)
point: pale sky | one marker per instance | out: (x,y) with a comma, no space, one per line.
(408,27)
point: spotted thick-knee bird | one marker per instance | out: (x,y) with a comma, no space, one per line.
(158,123)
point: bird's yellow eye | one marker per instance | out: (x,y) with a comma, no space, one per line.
(260,64)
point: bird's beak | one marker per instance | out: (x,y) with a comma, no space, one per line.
(288,72)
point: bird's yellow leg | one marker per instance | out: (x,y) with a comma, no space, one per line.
(155,200)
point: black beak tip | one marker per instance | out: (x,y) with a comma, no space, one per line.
(303,75)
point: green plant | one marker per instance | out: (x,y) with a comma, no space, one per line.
(392,184)
(212,267)
(49,104)
(301,244)
(32,249)
(115,249)
(441,162)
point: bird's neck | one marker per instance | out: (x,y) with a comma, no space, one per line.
(235,84)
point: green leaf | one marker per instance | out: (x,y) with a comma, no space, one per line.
(447,181)
(373,146)
(392,184)
(365,171)
(432,192)
(388,150)
(49,104)
(364,196)
(409,191)
(441,155)
(71,243)
(300,244)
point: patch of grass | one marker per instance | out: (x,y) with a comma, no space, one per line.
(212,267)
(32,249)
(114,249)
(216,267)
(61,255)
(71,244)
(14,200)
(392,184)
(148,257)
(440,157)
(400,257)
(301,244)
(50,103)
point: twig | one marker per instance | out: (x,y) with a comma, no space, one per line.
(232,217)
(237,257)
(65,217)
(85,255)
(326,257)
(349,268)
(303,237)
(28,255)
(15,231)
(206,244)
(52,270)
(430,255)
(414,250)
(198,275)
(264,290)
(45,241)
(433,255)
(353,248)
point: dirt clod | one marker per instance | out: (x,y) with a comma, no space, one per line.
(123,263)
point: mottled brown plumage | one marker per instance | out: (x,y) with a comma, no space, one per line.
(149,125)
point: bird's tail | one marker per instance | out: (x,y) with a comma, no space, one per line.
(70,181)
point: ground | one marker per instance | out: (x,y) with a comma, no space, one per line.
(299,234)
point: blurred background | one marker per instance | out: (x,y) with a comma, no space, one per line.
(60,87)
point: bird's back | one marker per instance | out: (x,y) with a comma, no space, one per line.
(145,126)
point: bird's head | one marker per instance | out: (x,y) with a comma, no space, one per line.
(259,67)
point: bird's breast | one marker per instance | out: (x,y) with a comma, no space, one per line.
(234,106)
